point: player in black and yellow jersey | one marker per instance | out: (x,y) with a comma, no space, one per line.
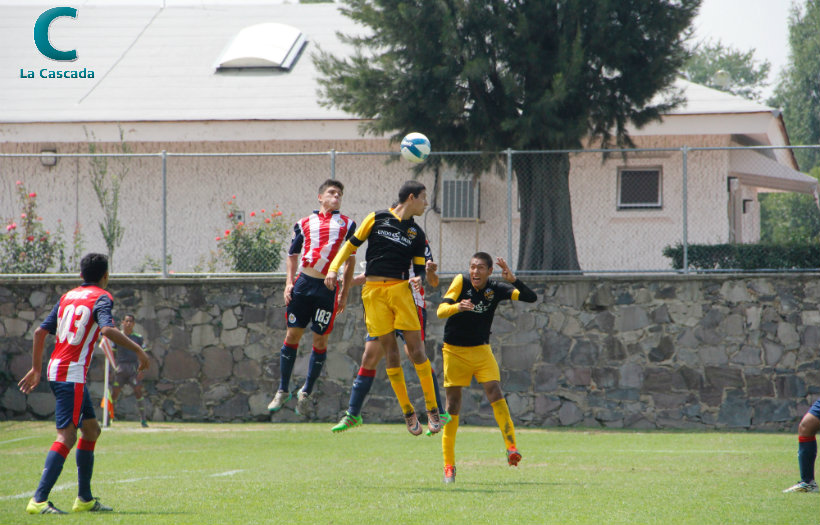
(394,242)
(469,306)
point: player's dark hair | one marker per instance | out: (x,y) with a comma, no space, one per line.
(93,267)
(331,183)
(484,256)
(411,187)
(126,316)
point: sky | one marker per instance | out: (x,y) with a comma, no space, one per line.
(761,25)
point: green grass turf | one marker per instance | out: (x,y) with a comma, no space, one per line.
(205,474)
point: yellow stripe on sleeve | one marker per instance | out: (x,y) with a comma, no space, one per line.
(446,310)
(515,294)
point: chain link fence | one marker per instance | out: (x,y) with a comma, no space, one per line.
(585,211)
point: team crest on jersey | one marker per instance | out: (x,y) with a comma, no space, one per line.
(291,318)
(412,232)
(489,294)
(340,221)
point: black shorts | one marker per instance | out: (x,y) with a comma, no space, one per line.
(311,302)
(127,374)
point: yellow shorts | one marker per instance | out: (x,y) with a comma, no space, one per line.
(461,363)
(389,306)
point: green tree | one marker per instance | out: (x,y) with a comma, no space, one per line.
(512,74)
(746,77)
(787,218)
(798,92)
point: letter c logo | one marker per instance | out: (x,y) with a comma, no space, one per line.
(41,34)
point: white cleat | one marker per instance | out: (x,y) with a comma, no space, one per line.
(304,403)
(279,400)
(811,486)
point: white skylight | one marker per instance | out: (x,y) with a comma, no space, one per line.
(269,45)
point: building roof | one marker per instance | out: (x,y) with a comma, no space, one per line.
(156,61)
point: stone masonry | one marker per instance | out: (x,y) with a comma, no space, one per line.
(665,352)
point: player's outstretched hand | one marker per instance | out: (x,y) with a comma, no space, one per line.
(506,273)
(330,280)
(29,381)
(430,266)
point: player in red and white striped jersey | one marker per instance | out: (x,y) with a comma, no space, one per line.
(317,238)
(77,320)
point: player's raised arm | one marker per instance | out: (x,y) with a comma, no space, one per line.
(524,293)
(349,247)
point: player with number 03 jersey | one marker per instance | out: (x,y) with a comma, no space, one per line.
(317,238)
(77,321)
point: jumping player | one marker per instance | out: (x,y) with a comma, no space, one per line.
(394,242)
(807,450)
(373,354)
(318,238)
(127,366)
(77,320)
(469,306)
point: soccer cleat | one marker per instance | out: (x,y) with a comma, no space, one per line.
(445,418)
(513,456)
(413,425)
(348,421)
(811,486)
(449,473)
(143,423)
(279,400)
(433,421)
(45,507)
(304,403)
(89,506)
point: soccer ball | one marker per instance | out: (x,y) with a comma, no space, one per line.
(415,147)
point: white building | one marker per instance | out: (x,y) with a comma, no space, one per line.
(157,81)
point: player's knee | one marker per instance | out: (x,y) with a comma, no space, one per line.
(808,426)
(67,437)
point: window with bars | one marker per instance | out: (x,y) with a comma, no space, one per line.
(639,188)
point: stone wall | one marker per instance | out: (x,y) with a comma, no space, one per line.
(694,352)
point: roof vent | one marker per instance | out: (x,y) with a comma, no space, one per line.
(269,45)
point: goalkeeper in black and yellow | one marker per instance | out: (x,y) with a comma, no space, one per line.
(395,246)
(469,306)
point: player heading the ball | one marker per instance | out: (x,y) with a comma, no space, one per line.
(394,242)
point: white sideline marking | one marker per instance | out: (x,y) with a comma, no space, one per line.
(18,439)
(228,473)
(29,494)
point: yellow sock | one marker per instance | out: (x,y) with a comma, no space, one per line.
(425,372)
(448,441)
(396,376)
(502,416)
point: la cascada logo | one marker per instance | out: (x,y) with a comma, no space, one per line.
(45,47)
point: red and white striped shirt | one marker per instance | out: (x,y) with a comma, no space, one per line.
(322,234)
(77,330)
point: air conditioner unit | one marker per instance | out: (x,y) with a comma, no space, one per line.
(460,199)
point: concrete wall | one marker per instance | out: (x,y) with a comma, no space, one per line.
(694,352)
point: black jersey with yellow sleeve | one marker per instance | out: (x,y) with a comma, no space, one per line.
(392,245)
(472,327)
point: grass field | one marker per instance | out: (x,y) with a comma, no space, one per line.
(301,473)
